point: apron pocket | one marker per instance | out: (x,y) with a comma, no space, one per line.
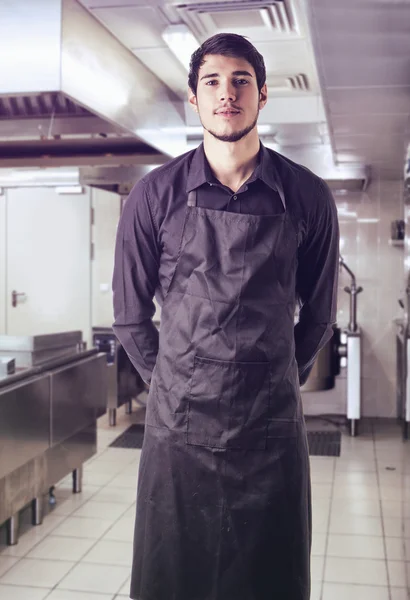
(228,404)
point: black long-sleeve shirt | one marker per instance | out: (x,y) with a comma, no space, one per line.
(149,236)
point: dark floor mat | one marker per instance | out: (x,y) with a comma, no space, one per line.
(324,443)
(130,438)
(321,443)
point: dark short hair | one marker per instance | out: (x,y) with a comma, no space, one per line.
(227,44)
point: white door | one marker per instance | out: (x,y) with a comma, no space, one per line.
(48,261)
(107,208)
(2,263)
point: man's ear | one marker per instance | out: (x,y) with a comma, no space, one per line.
(192,100)
(263,96)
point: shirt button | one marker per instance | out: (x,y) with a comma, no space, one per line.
(235,197)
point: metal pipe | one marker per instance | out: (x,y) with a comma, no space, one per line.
(344,265)
(353,291)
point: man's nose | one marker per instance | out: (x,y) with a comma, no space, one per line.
(227,93)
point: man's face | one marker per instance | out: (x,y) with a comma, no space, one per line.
(227,97)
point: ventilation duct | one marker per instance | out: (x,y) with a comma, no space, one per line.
(63,65)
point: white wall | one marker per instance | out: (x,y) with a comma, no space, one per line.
(107,206)
(379,269)
(3,298)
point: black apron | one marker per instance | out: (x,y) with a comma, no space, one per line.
(224,505)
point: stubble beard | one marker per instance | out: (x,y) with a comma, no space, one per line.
(236,135)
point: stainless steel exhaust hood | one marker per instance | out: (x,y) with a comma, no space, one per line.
(60,64)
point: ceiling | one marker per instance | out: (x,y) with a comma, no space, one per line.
(338,77)
(294,115)
(354,56)
(363,55)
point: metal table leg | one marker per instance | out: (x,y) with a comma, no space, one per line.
(128,407)
(354,427)
(37,511)
(77,480)
(112,417)
(13,530)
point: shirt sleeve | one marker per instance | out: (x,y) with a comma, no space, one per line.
(135,278)
(317,280)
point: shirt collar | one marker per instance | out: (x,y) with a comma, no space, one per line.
(200,171)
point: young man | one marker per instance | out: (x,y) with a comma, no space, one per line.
(228,237)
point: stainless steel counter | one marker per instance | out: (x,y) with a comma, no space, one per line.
(35,350)
(124,383)
(48,419)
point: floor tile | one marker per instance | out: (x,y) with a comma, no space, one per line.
(132,469)
(103,467)
(355,525)
(61,548)
(354,546)
(395,548)
(122,531)
(399,594)
(95,578)
(17,592)
(390,478)
(406,526)
(66,595)
(125,590)
(321,490)
(316,567)
(130,512)
(354,478)
(6,562)
(97,479)
(109,511)
(110,553)
(316,590)
(37,573)
(81,527)
(33,536)
(355,570)
(67,502)
(320,519)
(355,465)
(352,491)
(125,481)
(393,527)
(392,508)
(397,573)
(319,544)
(365,508)
(337,591)
(391,493)
(117,495)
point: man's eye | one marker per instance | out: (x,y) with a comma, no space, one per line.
(241,81)
(211,82)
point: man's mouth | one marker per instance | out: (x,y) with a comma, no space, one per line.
(228,112)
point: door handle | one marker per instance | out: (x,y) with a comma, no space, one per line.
(14,297)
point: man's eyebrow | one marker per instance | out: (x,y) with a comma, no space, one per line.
(235,73)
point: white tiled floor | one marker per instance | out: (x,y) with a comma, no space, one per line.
(361,525)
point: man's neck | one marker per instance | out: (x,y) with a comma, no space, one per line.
(232,163)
